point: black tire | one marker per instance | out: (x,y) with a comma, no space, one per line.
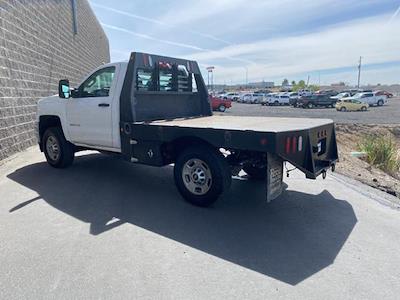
(65,155)
(310,105)
(216,165)
(343,108)
(276,103)
(222,108)
(255,173)
(364,108)
(380,102)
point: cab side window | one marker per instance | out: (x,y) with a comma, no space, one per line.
(98,84)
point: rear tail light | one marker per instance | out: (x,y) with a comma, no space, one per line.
(300,144)
(294,144)
(287,148)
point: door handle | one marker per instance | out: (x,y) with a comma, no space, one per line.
(104,105)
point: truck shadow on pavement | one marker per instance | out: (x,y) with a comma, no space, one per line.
(289,239)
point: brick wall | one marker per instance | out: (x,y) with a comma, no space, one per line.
(38,47)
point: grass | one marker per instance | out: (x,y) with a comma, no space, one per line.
(381,152)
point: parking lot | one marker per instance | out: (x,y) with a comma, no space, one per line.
(387,114)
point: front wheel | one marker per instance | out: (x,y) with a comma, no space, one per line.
(201,175)
(364,108)
(343,108)
(58,151)
(310,105)
(222,108)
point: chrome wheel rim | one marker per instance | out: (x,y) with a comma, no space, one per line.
(196,176)
(53,148)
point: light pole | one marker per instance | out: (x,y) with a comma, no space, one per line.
(210,70)
(247,76)
(359,72)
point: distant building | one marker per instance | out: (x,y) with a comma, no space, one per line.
(40,43)
(341,84)
(269,84)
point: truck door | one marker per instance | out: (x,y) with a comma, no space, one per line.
(89,109)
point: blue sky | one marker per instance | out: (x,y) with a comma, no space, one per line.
(272,39)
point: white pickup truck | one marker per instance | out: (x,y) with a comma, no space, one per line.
(276,99)
(155,110)
(370,98)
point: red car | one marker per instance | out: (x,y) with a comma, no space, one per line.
(387,94)
(220,104)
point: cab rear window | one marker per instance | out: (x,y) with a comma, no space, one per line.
(165,77)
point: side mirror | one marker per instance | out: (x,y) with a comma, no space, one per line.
(63,89)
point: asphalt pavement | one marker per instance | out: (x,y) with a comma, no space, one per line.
(387,114)
(104,229)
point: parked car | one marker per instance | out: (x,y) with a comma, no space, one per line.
(220,104)
(352,92)
(341,96)
(293,98)
(305,92)
(384,93)
(347,104)
(278,99)
(252,98)
(316,100)
(266,97)
(330,93)
(231,96)
(370,98)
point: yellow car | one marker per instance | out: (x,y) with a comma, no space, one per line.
(351,105)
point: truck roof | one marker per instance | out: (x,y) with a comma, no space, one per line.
(239,123)
(114,63)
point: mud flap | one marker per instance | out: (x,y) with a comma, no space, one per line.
(274,181)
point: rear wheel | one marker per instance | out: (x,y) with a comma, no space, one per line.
(380,102)
(58,151)
(201,175)
(276,102)
(310,105)
(221,108)
(343,108)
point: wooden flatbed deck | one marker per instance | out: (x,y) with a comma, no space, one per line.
(237,123)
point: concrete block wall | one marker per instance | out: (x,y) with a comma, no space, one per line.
(38,46)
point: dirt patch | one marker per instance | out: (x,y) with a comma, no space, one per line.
(348,136)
